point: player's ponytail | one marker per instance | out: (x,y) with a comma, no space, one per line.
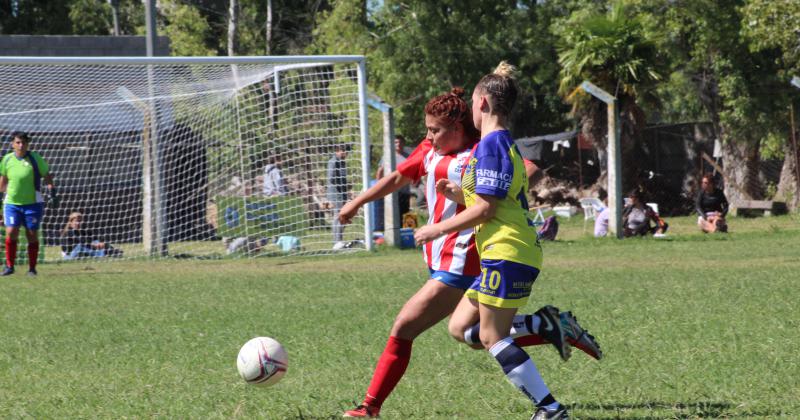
(452,108)
(501,87)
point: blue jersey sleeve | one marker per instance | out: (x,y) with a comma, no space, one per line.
(494,168)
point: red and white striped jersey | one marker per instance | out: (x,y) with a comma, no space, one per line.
(456,252)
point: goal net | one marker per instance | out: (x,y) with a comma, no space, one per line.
(194,157)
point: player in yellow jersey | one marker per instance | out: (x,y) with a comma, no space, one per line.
(494,187)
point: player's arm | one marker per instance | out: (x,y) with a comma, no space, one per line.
(408,171)
(382,188)
(482,211)
(450,190)
(3,183)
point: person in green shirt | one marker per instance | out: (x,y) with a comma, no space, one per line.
(21,175)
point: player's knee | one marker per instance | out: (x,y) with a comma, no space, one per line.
(457,332)
(404,327)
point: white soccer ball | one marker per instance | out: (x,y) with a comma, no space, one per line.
(262,361)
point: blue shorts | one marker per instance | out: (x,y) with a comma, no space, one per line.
(15,215)
(459,281)
(503,284)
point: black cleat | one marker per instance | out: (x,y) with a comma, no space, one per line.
(7,271)
(559,413)
(551,330)
(32,272)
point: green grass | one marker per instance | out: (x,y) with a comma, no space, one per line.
(693,326)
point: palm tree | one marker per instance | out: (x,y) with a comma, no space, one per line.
(610,49)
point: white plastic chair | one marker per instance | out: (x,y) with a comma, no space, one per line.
(654,206)
(591,207)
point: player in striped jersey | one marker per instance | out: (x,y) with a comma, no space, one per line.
(452,259)
(494,191)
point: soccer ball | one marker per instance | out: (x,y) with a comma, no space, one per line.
(262,361)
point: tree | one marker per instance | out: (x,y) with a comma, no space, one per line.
(35,17)
(418,49)
(187,30)
(769,25)
(610,49)
(233,23)
(739,89)
(90,17)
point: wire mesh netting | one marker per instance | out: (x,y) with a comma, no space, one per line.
(192,160)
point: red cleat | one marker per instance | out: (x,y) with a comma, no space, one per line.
(578,337)
(363,411)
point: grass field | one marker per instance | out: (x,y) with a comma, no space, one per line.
(693,326)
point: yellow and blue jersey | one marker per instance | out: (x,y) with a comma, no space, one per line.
(496,169)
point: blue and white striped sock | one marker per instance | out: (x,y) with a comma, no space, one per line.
(522,372)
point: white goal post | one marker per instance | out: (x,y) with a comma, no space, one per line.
(195,156)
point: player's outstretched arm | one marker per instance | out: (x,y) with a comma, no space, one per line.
(382,188)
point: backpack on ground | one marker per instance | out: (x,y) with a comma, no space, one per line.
(549,229)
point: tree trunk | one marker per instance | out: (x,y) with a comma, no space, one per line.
(115,15)
(269,28)
(740,170)
(632,121)
(233,23)
(788,186)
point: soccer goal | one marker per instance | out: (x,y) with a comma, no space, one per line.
(196,157)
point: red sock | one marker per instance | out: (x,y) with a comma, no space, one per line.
(11,252)
(530,340)
(33,254)
(391,367)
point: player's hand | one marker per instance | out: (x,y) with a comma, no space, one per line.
(52,198)
(426,234)
(347,213)
(450,190)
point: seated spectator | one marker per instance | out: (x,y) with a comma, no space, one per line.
(711,206)
(272,181)
(601,223)
(77,243)
(245,244)
(640,219)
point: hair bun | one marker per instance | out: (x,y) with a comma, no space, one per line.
(458,91)
(506,70)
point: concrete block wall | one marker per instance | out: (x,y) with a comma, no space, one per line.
(79,46)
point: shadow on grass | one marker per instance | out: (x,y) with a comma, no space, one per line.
(700,409)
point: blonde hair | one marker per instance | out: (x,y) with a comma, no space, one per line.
(506,70)
(501,87)
(72,216)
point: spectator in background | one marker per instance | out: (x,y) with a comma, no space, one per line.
(338,189)
(404,194)
(711,206)
(274,185)
(601,223)
(21,175)
(639,219)
(77,243)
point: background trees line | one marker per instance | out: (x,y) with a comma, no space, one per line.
(668,61)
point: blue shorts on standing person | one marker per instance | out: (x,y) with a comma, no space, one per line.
(29,215)
(459,281)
